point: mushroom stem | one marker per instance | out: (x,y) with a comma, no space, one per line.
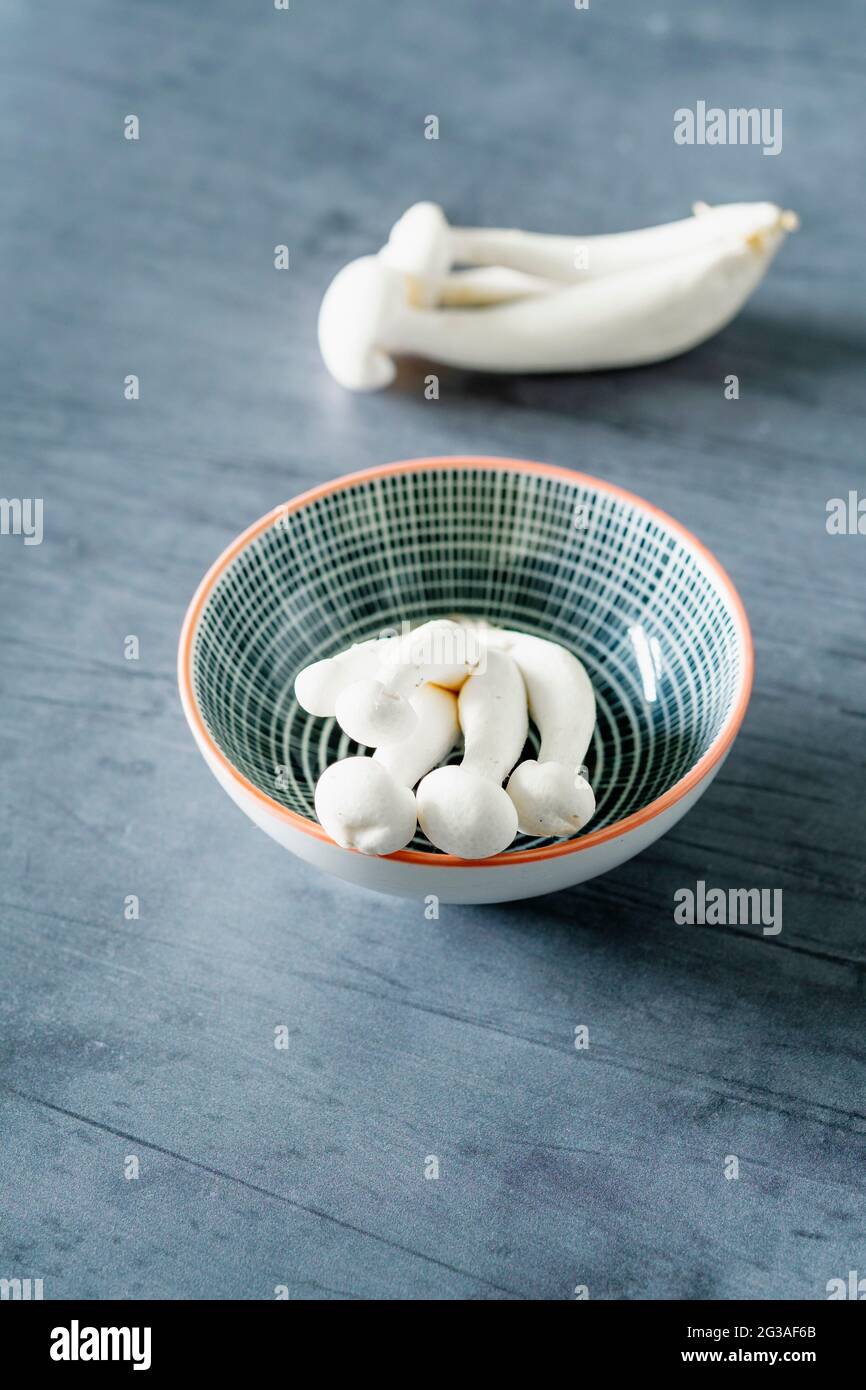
(375,710)
(561,697)
(550,793)
(642,315)
(437,732)
(367,803)
(464,810)
(424,245)
(487,285)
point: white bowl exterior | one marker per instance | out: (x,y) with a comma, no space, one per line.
(474,884)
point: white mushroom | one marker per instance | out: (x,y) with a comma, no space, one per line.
(359,323)
(699,272)
(425,246)
(464,810)
(376,710)
(318,685)
(644,314)
(551,795)
(367,803)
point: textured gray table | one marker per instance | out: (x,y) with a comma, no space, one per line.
(154,1038)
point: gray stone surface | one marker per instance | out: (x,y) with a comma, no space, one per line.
(407,1038)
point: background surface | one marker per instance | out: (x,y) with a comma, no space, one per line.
(155,1038)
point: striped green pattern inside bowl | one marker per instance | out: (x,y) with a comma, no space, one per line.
(560,559)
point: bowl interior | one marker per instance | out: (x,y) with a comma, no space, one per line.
(525,549)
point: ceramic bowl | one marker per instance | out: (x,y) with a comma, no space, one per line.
(649,611)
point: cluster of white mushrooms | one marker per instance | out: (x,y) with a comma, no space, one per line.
(409,697)
(530,302)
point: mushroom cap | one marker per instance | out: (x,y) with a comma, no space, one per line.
(360,305)
(314,688)
(552,799)
(362,807)
(464,814)
(372,715)
(420,246)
